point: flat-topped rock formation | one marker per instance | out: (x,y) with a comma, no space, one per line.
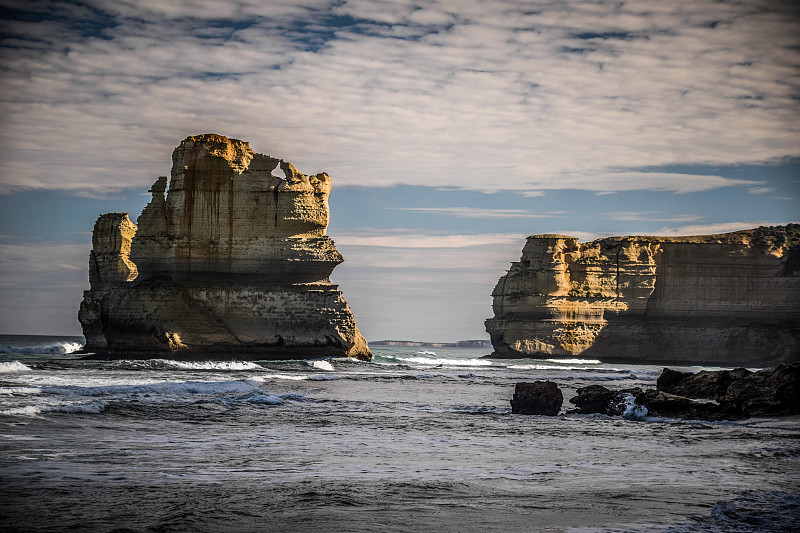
(232,259)
(728,299)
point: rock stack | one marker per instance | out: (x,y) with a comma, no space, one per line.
(229,258)
(726,300)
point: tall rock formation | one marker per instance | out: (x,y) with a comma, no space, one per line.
(233,260)
(729,299)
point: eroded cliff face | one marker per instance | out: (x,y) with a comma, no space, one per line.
(233,258)
(729,299)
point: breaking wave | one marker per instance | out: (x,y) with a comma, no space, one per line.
(170,388)
(322,365)
(61,348)
(171,364)
(94,407)
(430,361)
(13,366)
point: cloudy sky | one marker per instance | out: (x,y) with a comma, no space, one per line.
(451,130)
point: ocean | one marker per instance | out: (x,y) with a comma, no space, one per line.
(420,439)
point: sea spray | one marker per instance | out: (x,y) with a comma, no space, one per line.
(630,409)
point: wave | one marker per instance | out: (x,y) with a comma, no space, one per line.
(322,365)
(273,399)
(209,365)
(438,361)
(13,366)
(171,388)
(575,361)
(631,410)
(93,407)
(171,364)
(20,391)
(61,348)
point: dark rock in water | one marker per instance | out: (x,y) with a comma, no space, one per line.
(664,404)
(670,377)
(706,395)
(593,399)
(598,399)
(537,398)
(704,384)
(766,392)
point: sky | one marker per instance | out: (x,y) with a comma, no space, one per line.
(451,129)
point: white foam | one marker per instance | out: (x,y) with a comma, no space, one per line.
(541,367)
(322,365)
(292,377)
(170,388)
(20,391)
(324,377)
(93,407)
(13,366)
(631,410)
(61,348)
(575,361)
(445,362)
(29,410)
(209,365)
(425,352)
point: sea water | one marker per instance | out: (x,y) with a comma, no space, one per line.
(419,439)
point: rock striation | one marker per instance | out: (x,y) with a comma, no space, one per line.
(728,299)
(232,259)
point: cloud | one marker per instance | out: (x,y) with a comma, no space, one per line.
(477,212)
(41,286)
(44,264)
(710,229)
(760,190)
(475,95)
(653,216)
(422,240)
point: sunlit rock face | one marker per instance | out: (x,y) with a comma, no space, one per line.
(233,259)
(730,299)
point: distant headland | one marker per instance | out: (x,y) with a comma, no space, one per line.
(232,260)
(458,344)
(730,299)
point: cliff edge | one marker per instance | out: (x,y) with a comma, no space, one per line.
(233,259)
(727,299)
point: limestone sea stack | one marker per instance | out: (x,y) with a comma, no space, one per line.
(232,261)
(730,299)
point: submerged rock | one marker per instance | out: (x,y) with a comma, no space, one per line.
(537,398)
(729,299)
(227,259)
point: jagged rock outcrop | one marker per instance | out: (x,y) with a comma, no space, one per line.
(706,395)
(231,260)
(729,299)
